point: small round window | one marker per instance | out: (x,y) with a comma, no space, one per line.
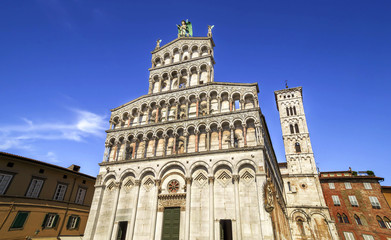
(173,186)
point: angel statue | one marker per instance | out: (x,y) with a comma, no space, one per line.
(158,43)
(210,30)
(185,29)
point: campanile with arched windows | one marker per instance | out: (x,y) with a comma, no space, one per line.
(306,205)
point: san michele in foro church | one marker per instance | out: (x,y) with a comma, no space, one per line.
(193,159)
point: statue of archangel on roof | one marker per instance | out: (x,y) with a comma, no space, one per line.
(185,29)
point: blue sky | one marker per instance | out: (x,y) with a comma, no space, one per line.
(64,64)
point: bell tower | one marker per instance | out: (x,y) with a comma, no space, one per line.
(301,181)
(298,150)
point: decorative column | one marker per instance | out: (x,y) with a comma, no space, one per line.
(219,104)
(244,126)
(186,135)
(148,115)
(241,104)
(134,211)
(154,209)
(145,139)
(188,207)
(174,145)
(208,77)
(187,103)
(106,154)
(176,110)
(160,85)
(115,152)
(124,150)
(256,102)
(155,140)
(207,139)
(196,140)
(134,149)
(157,114)
(197,106)
(258,134)
(150,86)
(165,136)
(211,209)
(208,105)
(113,234)
(237,206)
(111,124)
(220,144)
(232,136)
(167,108)
(230,104)
(129,120)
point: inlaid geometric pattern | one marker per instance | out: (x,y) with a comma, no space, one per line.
(247,176)
(148,184)
(200,179)
(224,177)
(111,186)
(128,183)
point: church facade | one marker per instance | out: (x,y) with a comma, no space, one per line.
(193,159)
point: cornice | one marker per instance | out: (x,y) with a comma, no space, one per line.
(183,39)
(169,66)
(173,156)
(188,89)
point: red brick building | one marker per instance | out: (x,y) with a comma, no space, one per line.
(357,205)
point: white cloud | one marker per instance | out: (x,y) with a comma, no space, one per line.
(84,125)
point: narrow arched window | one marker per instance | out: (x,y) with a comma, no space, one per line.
(297,147)
(300,223)
(290,111)
(291,127)
(387,222)
(345,218)
(297,128)
(357,219)
(287,111)
(339,218)
(294,110)
(381,222)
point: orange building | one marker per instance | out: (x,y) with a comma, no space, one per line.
(357,205)
(386,190)
(42,201)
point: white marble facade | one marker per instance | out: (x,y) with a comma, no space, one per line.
(195,145)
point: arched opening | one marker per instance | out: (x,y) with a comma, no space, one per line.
(203,74)
(167,58)
(226,136)
(176,55)
(251,133)
(214,103)
(193,76)
(387,222)
(204,51)
(194,52)
(381,222)
(291,128)
(345,218)
(202,139)
(192,107)
(339,218)
(357,219)
(214,137)
(300,226)
(297,128)
(185,53)
(249,102)
(236,102)
(224,102)
(297,147)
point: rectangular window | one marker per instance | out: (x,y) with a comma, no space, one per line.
(289,186)
(5,180)
(368,237)
(81,193)
(336,200)
(60,192)
(353,201)
(73,222)
(34,188)
(50,220)
(19,220)
(348,185)
(367,185)
(348,236)
(374,202)
(331,185)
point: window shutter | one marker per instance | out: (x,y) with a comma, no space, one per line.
(45,220)
(4,181)
(69,222)
(37,188)
(55,220)
(77,222)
